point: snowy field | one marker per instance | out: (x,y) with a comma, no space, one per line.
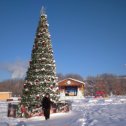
(84,112)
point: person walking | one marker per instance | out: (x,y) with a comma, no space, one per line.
(46,105)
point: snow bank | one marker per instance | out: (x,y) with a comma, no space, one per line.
(84,112)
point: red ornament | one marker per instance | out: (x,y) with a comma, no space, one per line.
(24,85)
(36,45)
(23,109)
(36,80)
(37,96)
(51,86)
(37,106)
(43,44)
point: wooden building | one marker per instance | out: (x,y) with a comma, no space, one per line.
(5,95)
(71,89)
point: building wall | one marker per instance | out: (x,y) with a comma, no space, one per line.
(73,83)
(5,95)
(80,91)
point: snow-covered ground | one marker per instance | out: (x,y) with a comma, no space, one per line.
(84,112)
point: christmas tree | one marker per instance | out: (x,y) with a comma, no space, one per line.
(41,75)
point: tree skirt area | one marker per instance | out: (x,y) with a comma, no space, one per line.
(86,112)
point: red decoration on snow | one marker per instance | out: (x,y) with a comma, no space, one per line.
(99,94)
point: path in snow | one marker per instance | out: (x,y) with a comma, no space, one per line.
(64,119)
(83,114)
(107,115)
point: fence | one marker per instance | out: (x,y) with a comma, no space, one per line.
(8,109)
(3,109)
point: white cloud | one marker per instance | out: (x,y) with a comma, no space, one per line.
(17,69)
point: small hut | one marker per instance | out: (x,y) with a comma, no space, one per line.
(71,89)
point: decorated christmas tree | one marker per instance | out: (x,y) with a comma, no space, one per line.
(41,75)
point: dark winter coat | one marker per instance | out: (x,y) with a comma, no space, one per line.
(46,103)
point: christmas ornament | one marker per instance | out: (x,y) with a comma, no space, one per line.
(26,90)
(36,45)
(24,85)
(37,96)
(43,44)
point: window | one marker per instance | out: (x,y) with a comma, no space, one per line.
(71,91)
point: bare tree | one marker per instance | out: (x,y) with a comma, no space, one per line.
(15,86)
(74,76)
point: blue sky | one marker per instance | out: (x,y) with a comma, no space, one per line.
(88,36)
